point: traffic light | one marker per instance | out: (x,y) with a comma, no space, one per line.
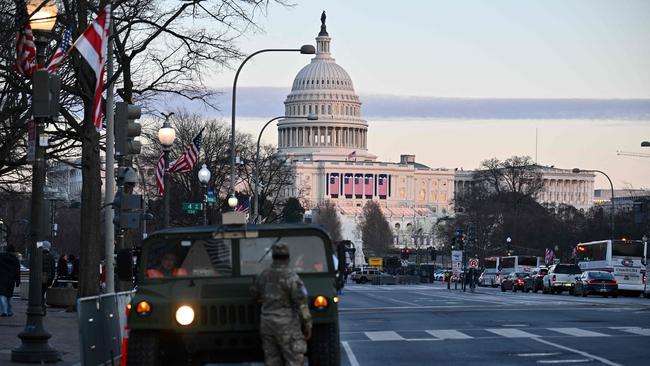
(404,253)
(127,210)
(46,88)
(471,233)
(126,129)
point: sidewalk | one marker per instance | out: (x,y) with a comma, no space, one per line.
(61,325)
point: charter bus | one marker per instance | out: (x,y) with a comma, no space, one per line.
(623,258)
(518,263)
(490,275)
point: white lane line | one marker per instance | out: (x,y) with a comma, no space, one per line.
(348,351)
(388,335)
(515,325)
(633,330)
(581,353)
(448,334)
(541,354)
(577,332)
(512,333)
(580,360)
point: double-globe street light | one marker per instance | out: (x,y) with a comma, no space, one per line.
(256,178)
(204,179)
(611,212)
(305,50)
(166,137)
(34,338)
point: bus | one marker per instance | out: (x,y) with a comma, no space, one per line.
(519,263)
(490,275)
(624,258)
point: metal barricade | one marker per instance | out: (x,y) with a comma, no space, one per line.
(101,321)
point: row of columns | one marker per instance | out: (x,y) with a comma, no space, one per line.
(338,110)
(322,136)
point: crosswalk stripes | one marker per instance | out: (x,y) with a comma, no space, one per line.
(577,332)
(448,334)
(511,333)
(453,334)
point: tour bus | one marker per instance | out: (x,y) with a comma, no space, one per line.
(490,275)
(519,263)
(625,259)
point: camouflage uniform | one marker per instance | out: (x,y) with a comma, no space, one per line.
(285,314)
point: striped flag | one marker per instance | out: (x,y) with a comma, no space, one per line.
(160,174)
(25,46)
(62,50)
(92,45)
(186,162)
(243,205)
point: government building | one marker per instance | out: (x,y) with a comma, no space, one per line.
(332,162)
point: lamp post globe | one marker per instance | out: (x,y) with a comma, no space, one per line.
(232,202)
(44,18)
(166,135)
(204,175)
(204,179)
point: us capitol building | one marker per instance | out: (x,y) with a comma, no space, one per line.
(332,162)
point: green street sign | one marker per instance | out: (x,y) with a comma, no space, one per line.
(192,207)
(211,199)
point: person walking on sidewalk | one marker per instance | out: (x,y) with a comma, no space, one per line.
(48,269)
(9,277)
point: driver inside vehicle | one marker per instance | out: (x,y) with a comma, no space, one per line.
(166,267)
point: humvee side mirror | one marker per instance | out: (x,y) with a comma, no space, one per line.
(125,264)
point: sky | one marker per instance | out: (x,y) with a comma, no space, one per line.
(472,79)
(464,49)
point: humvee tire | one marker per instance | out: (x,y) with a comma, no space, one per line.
(143,349)
(324,347)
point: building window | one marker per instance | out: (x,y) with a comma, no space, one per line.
(329,109)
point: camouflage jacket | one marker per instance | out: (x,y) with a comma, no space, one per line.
(283,294)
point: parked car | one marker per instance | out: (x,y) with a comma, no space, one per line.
(489,277)
(503,274)
(365,275)
(538,278)
(439,275)
(596,282)
(517,281)
(560,277)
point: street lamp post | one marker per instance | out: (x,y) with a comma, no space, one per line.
(305,50)
(166,136)
(34,338)
(256,178)
(204,178)
(508,240)
(611,186)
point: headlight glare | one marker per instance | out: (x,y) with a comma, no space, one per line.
(185,315)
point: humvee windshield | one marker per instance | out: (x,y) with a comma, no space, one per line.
(214,257)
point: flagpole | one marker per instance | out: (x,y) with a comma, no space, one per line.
(109,194)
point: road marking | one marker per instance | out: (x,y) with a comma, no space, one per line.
(577,332)
(512,333)
(581,353)
(633,330)
(566,361)
(448,334)
(388,335)
(515,325)
(538,354)
(348,351)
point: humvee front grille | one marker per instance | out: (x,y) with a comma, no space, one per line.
(222,315)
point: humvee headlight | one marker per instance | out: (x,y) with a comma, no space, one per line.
(185,315)
(143,308)
(335,299)
(320,302)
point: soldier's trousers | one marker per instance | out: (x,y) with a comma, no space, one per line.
(284,344)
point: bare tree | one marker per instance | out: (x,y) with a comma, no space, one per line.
(327,215)
(376,234)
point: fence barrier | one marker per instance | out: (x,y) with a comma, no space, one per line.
(101,321)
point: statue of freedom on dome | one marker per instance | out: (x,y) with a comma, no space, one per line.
(322,18)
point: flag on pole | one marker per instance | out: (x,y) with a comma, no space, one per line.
(160,174)
(186,162)
(25,46)
(243,205)
(93,45)
(62,50)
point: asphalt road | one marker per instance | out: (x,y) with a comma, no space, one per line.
(430,325)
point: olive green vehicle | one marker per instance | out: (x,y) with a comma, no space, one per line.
(193,303)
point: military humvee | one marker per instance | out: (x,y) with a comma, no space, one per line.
(193,303)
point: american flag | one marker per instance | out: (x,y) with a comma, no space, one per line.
(186,162)
(92,44)
(243,206)
(25,47)
(61,51)
(160,174)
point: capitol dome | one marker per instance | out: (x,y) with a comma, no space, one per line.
(324,89)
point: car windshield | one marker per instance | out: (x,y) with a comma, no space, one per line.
(601,275)
(307,254)
(521,274)
(567,269)
(543,271)
(188,258)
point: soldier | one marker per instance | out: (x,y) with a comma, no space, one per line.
(285,324)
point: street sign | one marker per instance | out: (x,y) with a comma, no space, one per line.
(376,262)
(473,263)
(192,207)
(212,199)
(456,261)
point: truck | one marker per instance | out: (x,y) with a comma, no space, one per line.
(203,310)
